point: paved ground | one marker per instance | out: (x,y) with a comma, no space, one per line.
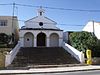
(68,73)
(51,70)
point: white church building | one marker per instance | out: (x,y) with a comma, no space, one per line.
(41,31)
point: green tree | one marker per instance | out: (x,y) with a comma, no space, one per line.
(4,38)
(83,40)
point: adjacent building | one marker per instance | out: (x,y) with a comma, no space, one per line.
(9,26)
(93,27)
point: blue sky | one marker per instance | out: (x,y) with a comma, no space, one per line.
(70,18)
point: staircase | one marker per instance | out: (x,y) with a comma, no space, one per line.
(31,56)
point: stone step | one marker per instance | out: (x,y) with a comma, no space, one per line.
(43,56)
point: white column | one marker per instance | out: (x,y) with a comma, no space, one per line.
(82,58)
(48,42)
(35,42)
(22,41)
(7,59)
(60,42)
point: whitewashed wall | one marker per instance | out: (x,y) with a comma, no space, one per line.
(34,23)
(93,27)
(74,52)
(9,57)
(36,32)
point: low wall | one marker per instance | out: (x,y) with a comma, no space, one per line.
(74,52)
(9,57)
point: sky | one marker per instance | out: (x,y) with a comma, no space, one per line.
(67,20)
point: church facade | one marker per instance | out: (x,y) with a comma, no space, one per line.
(41,31)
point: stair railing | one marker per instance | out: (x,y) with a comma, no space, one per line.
(9,57)
(74,52)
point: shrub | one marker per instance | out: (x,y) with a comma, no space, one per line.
(85,40)
(4,39)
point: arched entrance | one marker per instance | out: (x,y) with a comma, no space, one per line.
(54,40)
(28,40)
(41,39)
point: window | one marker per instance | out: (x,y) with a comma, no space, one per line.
(40,13)
(3,22)
(41,23)
(28,39)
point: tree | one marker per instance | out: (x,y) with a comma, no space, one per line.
(4,38)
(83,41)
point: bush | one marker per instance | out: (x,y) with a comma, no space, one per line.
(85,40)
(4,40)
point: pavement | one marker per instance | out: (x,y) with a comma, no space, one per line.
(51,70)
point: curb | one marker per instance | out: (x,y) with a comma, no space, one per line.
(51,72)
(44,66)
(43,70)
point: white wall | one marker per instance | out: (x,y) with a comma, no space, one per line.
(36,32)
(74,52)
(89,28)
(47,23)
(9,57)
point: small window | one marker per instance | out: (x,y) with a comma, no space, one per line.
(3,22)
(28,39)
(40,13)
(41,23)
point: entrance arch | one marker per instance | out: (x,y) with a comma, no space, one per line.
(54,40)
(28,40)
(41,39)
